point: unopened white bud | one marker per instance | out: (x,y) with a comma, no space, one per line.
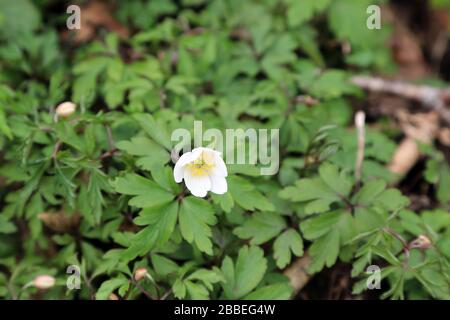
(113,296)
(65,109)
(140,273)
(44,282)
(422,242)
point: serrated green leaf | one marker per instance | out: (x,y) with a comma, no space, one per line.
(195,218)
(109,286)
(289,241)
(324,251)
(160,221)
(278,291)
(146,192)
(245,195)
(153,129)
(261,227)
(245,275)
(316,227)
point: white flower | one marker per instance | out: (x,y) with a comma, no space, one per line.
(203,170)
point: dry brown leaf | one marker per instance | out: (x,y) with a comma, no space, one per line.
(405,157)
(60,221)
(444,136)
(94,15)
(297,273)
(406,50)
(421,127)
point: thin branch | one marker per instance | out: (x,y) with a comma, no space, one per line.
(110,137)
(304,99)
(429,97)
(175,155)
(165,295)
(108,154)
(145,292)
(360,119)
(112,148)
(57,147)
(405,245)
(397,236)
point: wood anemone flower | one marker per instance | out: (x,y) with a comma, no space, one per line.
(203,170)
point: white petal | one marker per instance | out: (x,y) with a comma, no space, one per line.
(178,171)
(198,185)
(218,184)
(196,152)
(185,159)
(220,167)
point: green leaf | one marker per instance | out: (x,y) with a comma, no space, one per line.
(146,193)
(386,255)
(246,274)
(392,200)
(154,129)
(10,11)
(277,291)
(94,201)
(207,276)
(162,265)
(355,29)
(324,251)
(338,182)
(320,192)
(109,286)
(69,136)
(6,226)
(225,201)
(160,223)
(196,291)
(152,155)
(368,219)
(179,289)
(316,227)
(289,241)
(195,218)
(369,192)
(299,12)
(328,85)
(4,128)
(245,195)
(261,227)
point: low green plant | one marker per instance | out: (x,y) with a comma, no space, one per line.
(96,190)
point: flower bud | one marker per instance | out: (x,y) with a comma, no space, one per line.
(140,274)
(422,242)
(113,296)
(65,109)
(44,282)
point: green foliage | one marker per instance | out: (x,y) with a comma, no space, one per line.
(104,176)
(438,173)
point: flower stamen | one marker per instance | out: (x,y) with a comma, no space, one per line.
(202,165)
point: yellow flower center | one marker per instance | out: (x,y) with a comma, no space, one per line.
(202,165)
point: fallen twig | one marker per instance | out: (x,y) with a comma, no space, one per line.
(108,154)
(430,97)
(421,127)
(297,273)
